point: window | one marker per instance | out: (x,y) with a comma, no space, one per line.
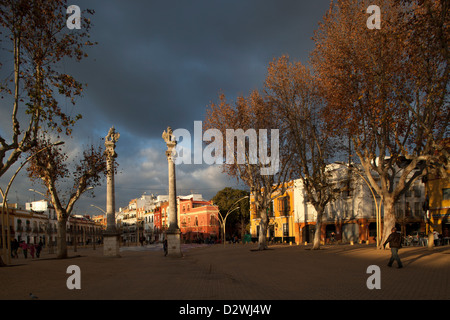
(417,209)
(446,194)
(417,192)
(285,230)
(269,210)
(408,193)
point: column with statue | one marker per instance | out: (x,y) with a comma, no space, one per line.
(173,233)
(111,234)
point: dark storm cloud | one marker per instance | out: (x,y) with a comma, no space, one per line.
(160,63)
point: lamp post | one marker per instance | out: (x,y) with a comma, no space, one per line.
(98,208)
(378,214)
(95,230)
(33,190)
(223,220)
(7,252)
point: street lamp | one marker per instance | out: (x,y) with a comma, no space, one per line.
(378,214)
(98,208)
(7,245)
(95,232)
(223,220)
(33,190)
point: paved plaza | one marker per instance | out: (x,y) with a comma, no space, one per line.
(232,272)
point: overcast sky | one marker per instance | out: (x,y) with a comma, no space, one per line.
(159,64)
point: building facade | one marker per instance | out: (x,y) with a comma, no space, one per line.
(38,223)
(351,217)
(281,214)
(147,218)
(199,220)
(438,196)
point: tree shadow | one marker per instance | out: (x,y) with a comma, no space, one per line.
(56,258)
(426,252)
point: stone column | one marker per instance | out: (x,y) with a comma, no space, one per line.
(111,234)
(173,234)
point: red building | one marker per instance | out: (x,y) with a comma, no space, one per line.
(198,219)
(157,222)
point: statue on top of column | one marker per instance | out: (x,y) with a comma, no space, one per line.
(171,142)
(110,141)
(168,136)
(112,136)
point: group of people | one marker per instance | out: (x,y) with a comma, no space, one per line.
(33,249)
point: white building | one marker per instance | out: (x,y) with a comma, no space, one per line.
(352,215)
(38,223)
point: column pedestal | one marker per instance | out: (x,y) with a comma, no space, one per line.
(174,244)
(111,245)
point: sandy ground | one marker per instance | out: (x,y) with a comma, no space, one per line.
(236,272)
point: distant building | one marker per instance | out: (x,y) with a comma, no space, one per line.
(148,217)
(100,219)
(198,218)
(38,223)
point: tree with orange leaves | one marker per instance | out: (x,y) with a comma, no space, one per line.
(249,115)
(387,88)
(293,91)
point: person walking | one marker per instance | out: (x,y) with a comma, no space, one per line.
(436,238)
(38,249)
(14,247)
(24,247)
(165,247)
(32,250)
(395,243)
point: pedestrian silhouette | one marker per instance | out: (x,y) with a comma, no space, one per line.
(165,247)
(395,243)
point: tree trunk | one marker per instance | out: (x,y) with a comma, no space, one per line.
(316,242)
(262,239)
(430,237)
(389,218)
(242,230)
(61,239)
(318,231)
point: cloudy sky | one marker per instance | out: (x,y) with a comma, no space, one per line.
(160,64)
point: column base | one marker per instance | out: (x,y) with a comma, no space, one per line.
(111,245)
(174,244)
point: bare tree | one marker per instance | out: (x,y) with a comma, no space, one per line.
(35,35)
(51,167)
(35,40)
